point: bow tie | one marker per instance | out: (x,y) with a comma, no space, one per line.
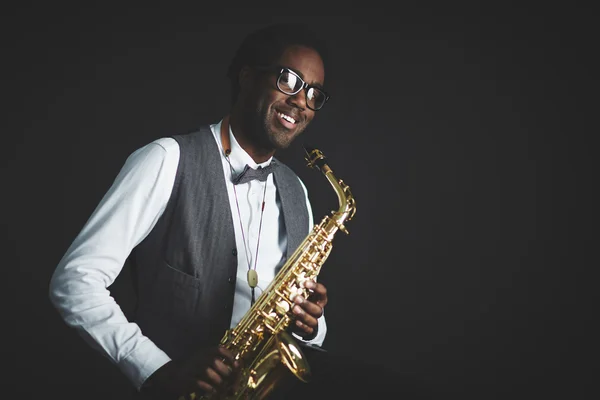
(248,174)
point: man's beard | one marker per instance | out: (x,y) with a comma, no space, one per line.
(261,123)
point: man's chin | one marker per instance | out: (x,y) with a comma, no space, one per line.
(282,137)
(283,141)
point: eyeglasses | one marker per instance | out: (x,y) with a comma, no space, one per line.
(290,83)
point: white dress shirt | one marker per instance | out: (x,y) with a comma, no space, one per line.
(125,216)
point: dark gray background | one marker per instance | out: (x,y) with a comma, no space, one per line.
(461,132)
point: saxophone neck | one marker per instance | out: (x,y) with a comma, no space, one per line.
(316,159)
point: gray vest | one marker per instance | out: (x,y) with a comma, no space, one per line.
(186,267)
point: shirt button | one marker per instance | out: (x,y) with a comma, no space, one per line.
(234,252)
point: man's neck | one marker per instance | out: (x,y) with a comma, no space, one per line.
(258,153)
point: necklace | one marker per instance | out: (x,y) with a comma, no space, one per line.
(252,274)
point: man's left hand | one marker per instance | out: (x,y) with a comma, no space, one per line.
(308,311)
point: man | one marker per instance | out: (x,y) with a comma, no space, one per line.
(203,241)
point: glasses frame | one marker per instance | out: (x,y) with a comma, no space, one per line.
(280,70)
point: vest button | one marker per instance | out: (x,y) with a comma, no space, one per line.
(230,279)
(234,252)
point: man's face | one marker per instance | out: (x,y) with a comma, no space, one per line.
(279,118)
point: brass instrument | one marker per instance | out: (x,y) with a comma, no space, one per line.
(260,339)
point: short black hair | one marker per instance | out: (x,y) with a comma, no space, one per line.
(265,45)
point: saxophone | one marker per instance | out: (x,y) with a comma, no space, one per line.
(260,339)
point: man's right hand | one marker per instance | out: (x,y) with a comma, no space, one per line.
(209,370)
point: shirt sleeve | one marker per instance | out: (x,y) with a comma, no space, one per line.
(322,327)
(123,218)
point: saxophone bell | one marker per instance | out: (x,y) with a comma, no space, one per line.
(280,357)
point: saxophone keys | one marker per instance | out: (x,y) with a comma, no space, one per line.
(301,279)
(282,307)
(296,291)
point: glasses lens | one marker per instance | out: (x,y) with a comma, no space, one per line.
(289,83)
(315,98)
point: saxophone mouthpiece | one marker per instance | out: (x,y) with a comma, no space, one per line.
(315,158)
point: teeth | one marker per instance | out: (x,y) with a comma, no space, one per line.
(287,118)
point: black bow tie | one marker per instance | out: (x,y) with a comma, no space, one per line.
(248,174)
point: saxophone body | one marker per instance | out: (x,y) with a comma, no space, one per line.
(260,340)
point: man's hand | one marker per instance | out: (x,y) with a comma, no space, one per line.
(210,370)
(308,311)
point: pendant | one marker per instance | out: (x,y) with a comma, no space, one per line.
(252,278)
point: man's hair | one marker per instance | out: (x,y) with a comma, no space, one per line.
(264,46)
